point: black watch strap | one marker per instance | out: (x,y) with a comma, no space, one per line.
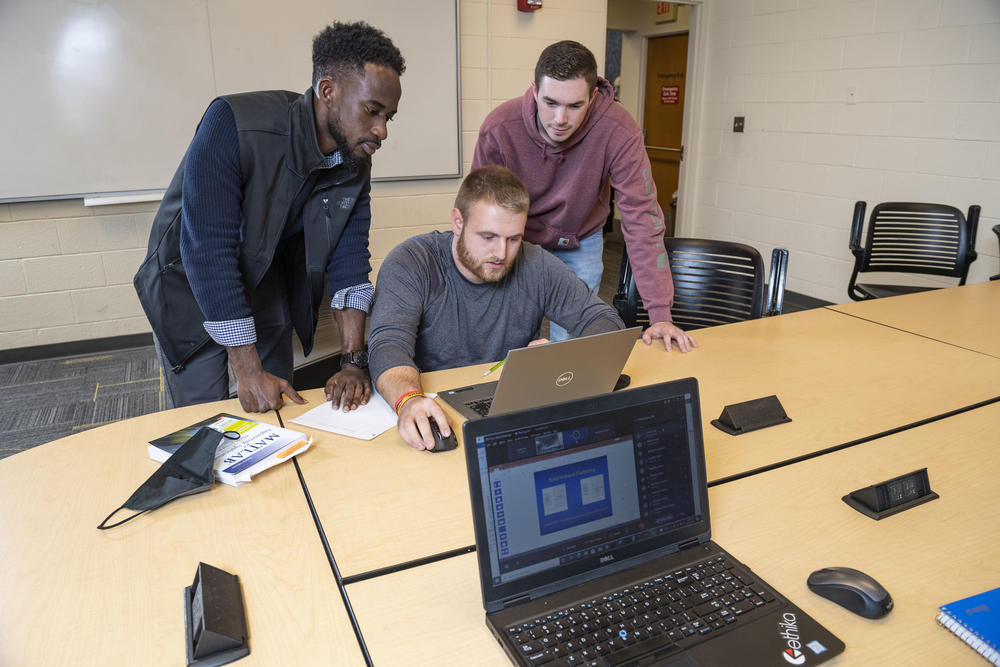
(357,358)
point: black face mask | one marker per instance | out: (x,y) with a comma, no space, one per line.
(191,469)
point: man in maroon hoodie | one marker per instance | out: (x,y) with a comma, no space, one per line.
(570,143)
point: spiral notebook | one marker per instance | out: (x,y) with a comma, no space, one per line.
(976,621)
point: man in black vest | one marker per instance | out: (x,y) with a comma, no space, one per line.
(269,206)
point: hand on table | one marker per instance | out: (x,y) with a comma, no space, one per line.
(667,332)
(348,388)
(260,391)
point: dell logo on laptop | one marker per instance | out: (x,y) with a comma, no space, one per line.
(607,559)
(564,379)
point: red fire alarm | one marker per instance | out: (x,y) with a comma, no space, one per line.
(528,5)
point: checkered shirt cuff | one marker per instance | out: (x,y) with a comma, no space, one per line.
(359,297)
(230,333)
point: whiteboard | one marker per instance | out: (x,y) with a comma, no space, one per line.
(103,96)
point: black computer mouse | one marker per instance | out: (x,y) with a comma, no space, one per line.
(851,589)
(441,443)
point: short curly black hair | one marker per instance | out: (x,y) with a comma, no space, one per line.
(342,47)
(567,60)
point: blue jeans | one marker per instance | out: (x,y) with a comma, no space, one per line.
(587,261)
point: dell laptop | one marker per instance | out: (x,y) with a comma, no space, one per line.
(594,541)
(549,373)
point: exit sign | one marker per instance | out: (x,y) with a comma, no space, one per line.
(669,94)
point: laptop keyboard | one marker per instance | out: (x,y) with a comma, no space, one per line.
(644,621)
(482,406)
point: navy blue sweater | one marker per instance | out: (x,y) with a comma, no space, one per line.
(211,223)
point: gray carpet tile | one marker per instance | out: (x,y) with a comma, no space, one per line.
(48,399)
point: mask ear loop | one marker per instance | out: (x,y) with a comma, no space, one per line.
(129,518)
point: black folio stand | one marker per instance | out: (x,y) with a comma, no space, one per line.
(740,418)
(215,625)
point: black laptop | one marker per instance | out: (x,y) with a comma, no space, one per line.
(593,539)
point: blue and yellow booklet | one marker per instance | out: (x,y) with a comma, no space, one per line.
(245,447)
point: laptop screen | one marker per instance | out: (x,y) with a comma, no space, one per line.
(587,483)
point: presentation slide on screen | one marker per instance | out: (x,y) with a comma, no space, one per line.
(547,501)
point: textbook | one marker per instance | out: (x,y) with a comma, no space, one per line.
(976,621)
(245,447)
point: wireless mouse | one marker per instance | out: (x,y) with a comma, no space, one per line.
(441,443)
(851,589)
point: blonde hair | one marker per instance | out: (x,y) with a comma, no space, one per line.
(493,184)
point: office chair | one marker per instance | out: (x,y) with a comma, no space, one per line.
(715,282)
(906,237)
(996,230)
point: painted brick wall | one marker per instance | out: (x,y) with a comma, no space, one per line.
(923,125)
(66,270)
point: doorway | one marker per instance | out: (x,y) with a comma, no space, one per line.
(663,117)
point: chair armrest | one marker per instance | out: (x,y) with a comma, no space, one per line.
(973,220)
(776,282)
(857,223)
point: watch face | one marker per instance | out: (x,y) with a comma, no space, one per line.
(357,358)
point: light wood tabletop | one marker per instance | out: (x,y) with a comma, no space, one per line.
(783,524)
(839,378)
(72,594)
(966,316)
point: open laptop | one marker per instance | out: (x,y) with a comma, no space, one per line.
(550,373)
(593,539)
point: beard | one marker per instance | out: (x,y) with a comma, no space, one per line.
(349,159)
(478,267)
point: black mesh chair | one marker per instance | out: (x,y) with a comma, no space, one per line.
(715,282)
(905,237)
(996,230)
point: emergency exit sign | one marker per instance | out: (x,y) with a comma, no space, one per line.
(669,94)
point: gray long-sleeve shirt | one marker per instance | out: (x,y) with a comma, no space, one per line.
(427,315)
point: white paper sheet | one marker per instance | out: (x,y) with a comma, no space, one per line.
(366,422)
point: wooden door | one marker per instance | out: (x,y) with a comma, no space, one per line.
(663,115)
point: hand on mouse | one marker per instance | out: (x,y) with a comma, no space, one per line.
(414,425)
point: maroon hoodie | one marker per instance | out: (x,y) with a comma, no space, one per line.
(570,184)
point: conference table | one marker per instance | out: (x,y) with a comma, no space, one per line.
(966,316)
(74,595)
(783,524)
(840,379)
(867,401)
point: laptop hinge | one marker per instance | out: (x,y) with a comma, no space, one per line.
(513,602)
(694,541)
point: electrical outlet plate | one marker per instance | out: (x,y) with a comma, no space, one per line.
(738,123)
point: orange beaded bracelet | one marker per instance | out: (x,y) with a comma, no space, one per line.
(405,397)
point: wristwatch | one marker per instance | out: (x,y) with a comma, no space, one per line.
(357,358)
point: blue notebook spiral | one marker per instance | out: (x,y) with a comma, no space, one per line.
(976,621)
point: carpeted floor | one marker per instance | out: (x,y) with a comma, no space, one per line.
(52,398)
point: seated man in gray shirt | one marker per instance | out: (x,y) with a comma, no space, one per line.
(467,297)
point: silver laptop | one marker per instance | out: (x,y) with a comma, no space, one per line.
(550,373)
